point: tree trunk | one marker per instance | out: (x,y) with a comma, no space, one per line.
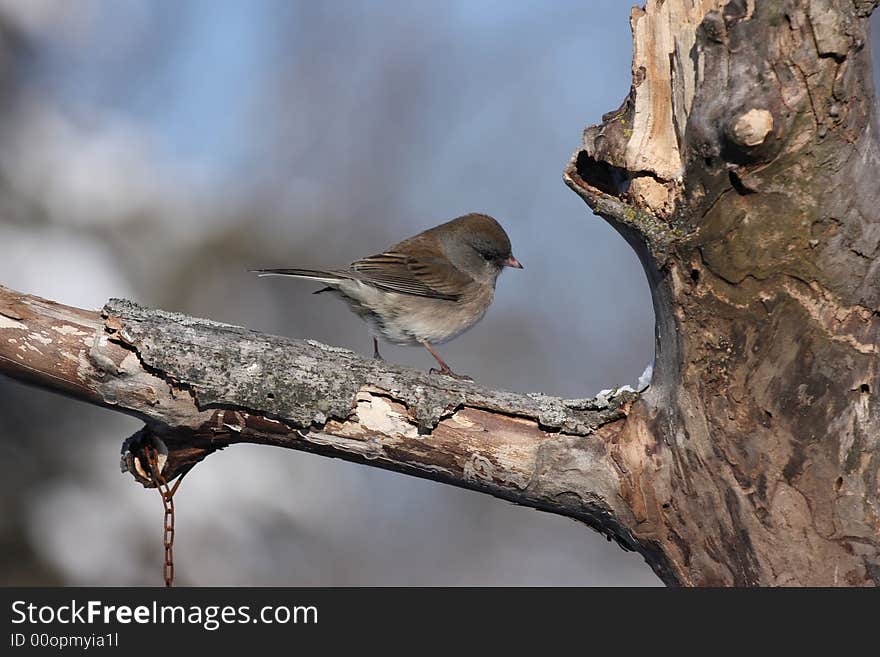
(743,168)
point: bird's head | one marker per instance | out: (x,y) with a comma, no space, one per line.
(478,245)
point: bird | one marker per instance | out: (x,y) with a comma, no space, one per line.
(425,290)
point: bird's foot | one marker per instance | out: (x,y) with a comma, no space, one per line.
(448,372)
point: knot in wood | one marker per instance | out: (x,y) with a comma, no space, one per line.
(751,128)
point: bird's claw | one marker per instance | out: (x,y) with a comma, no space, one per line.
(447,372)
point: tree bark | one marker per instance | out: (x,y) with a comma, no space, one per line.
(743,168)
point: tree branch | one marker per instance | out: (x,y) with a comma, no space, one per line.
(200,386)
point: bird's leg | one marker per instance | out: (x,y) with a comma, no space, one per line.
(444,368)
(376,353)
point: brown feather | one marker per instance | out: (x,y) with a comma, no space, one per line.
(416,273)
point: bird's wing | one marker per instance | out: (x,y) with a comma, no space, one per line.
(422,275)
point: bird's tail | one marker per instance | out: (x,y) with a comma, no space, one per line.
(314,274)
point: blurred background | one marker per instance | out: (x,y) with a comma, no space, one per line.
(156,150)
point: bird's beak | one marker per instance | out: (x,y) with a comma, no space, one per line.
(512,262)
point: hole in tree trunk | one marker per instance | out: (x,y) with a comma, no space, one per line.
(601,175)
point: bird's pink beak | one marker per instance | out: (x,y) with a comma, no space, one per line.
(512,262)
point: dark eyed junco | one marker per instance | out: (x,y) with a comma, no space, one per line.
(426,289)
